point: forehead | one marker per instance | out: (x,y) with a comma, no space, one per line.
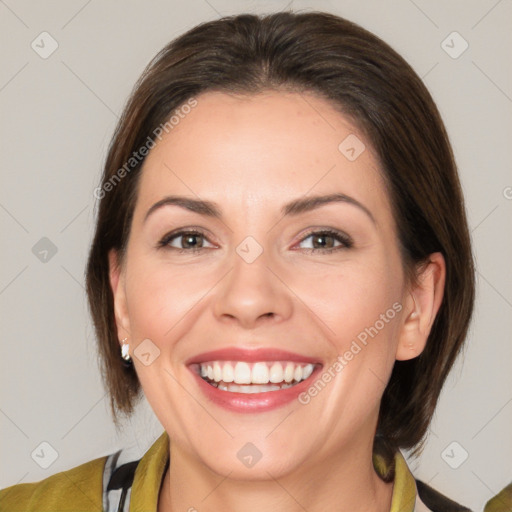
(262,147)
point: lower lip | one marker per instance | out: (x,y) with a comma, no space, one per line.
(257,402)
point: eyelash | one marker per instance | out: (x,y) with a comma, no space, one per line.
(164,243)
(345,240)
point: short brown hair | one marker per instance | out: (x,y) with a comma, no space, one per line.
(371,84)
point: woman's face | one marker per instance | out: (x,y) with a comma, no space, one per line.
(263,284)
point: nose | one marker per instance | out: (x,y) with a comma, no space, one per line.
(252,294)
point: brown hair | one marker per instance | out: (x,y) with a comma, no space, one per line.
(371,84)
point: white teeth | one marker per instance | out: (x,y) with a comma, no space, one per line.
(228,374)
(217,372)
(260,374)
(276,373)
(243,377)
(242,373)
(307,371)
(254,388)
(289,371)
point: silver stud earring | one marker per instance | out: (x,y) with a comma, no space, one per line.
(125,352)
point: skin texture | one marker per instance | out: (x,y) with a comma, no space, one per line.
(251,155)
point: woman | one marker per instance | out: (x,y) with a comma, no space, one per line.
(282,265)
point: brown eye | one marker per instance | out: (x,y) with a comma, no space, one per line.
(191,240)
(326,241)
(323,241)
(187,241)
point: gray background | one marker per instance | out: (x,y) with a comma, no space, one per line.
(58,114)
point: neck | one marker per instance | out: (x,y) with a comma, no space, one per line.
(344,482)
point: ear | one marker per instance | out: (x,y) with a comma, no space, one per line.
(117,284)
(422,305)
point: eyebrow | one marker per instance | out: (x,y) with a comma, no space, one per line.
(295,207)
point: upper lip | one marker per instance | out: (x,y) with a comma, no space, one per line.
(250,355)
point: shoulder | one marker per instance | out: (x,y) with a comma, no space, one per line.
(408,489)
(502,502)
(79,488)
(432,500)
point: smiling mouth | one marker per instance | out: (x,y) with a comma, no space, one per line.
(257,377)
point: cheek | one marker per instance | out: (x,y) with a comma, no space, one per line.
(159,295)
(358,308)
(349,299)
(360,311)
